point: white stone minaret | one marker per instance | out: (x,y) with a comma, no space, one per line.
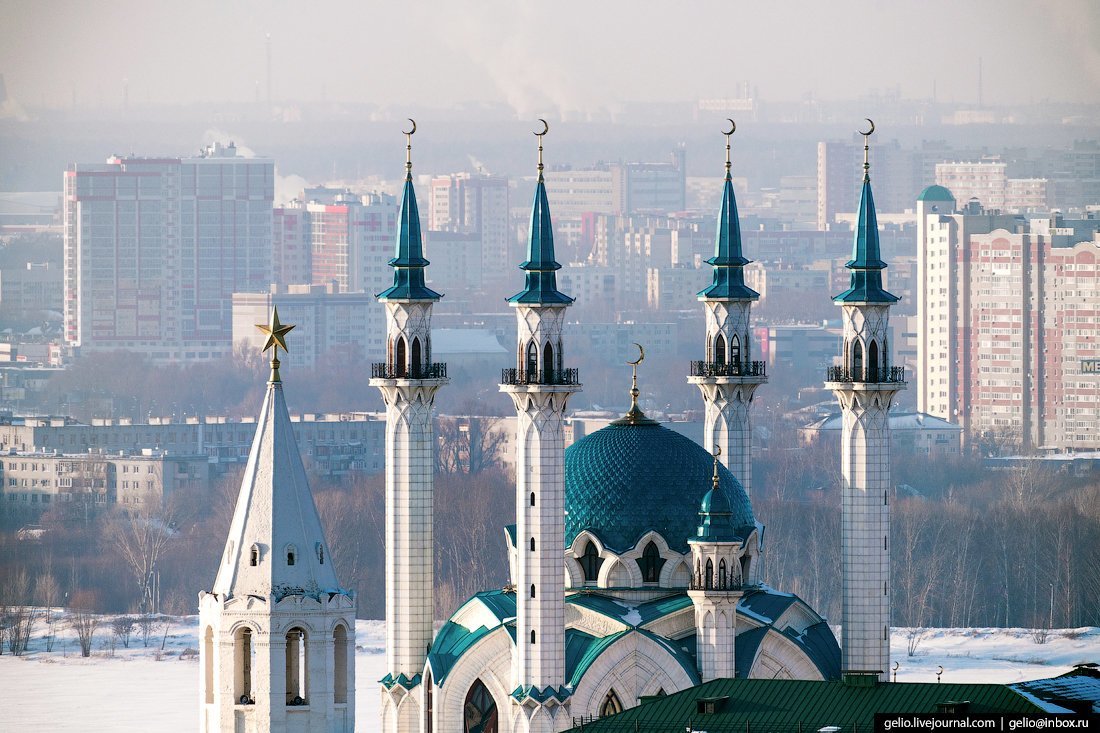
(277,632)
(865,384)
(540,387)
(408,381)
(728,376)
(724,560)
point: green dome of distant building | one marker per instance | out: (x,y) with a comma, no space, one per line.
(935,193)
(625,480)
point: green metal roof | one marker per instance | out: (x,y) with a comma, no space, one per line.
(625,480)
(408,262)
(728,262)
(541,266)
(453,640)
(935,193)
(633,615)
(866,263)
(748,704)
(582,649)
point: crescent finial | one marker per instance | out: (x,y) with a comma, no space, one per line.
(872,130)
(733,127)
(545,128)
(641,356)
(413,130)
(717,450)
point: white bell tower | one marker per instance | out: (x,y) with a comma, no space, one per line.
(277,632)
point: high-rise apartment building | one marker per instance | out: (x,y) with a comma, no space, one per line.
(988,181)
(292,260)
(156,247)
(351,240)
(838,164)
(465,203)
(1007,314)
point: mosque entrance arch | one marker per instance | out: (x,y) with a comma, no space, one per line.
(479,712)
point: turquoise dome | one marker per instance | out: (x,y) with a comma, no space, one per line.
(935,193)
(625,480)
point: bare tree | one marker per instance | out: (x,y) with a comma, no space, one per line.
(141,538)
(122,627)
(48,593)
(83,622)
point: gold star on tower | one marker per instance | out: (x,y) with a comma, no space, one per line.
(276,339)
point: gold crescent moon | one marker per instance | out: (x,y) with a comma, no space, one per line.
(733,127)
(641,356)
(412,131)
(545,128)
(717,450)
(872,130)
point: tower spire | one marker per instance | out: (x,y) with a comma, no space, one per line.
(276,339)
(541,283)
(728,262)
(866,263)
(408,262)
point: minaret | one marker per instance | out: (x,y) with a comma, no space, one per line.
(723,563)
(728,376)
(408,381)
(865,384)
(540,387)
(277,632)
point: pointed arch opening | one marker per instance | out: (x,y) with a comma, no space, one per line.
(297,667)
(429,703)
(532,361)
(708,579)
(400,363)
(291,554)
(651,563)
(417,363)
(208,664)
(254,555)
(532,590)
(532,544)
(558,366)
(244,661)
(722,574)
(479,711)
(610,704)
(857,359)
(720,349)
(735,349)
(872,362)
(590,562)
(532,498)
(548,362)
(746,566)
(340,664)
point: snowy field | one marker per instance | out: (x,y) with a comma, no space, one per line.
(141,689)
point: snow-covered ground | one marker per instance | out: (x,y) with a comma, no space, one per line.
(142,689)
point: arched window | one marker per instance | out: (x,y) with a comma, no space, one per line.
(400,367)
(872,362)
(532,590)
(746,565)
(416,363)
(610,705)
(429,707)
(857,360)
(340,664)
(291,554)
(297,667)
(735,349)
(720,349)
(708,580)
(532,636)
(532,361)
(548,362)
(532,544)
(208,663)
(650,563)
(320,553)
(244,657)
(722,574)
(254,556)
(479,712)
(590,562)
(532,498)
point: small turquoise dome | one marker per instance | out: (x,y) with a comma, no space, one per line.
(935,193)
(716,519)
(627,479)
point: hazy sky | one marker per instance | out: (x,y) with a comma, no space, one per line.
(549,56)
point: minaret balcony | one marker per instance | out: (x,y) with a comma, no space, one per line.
(717,585)
(887,375)
(382,370)
(566,377)
(729,369)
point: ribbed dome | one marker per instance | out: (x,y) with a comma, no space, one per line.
(625,480)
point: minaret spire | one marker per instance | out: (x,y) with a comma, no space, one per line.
(408,381)
(728,376)
(865,384)
(540,387)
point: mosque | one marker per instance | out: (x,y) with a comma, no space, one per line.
(635,558)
